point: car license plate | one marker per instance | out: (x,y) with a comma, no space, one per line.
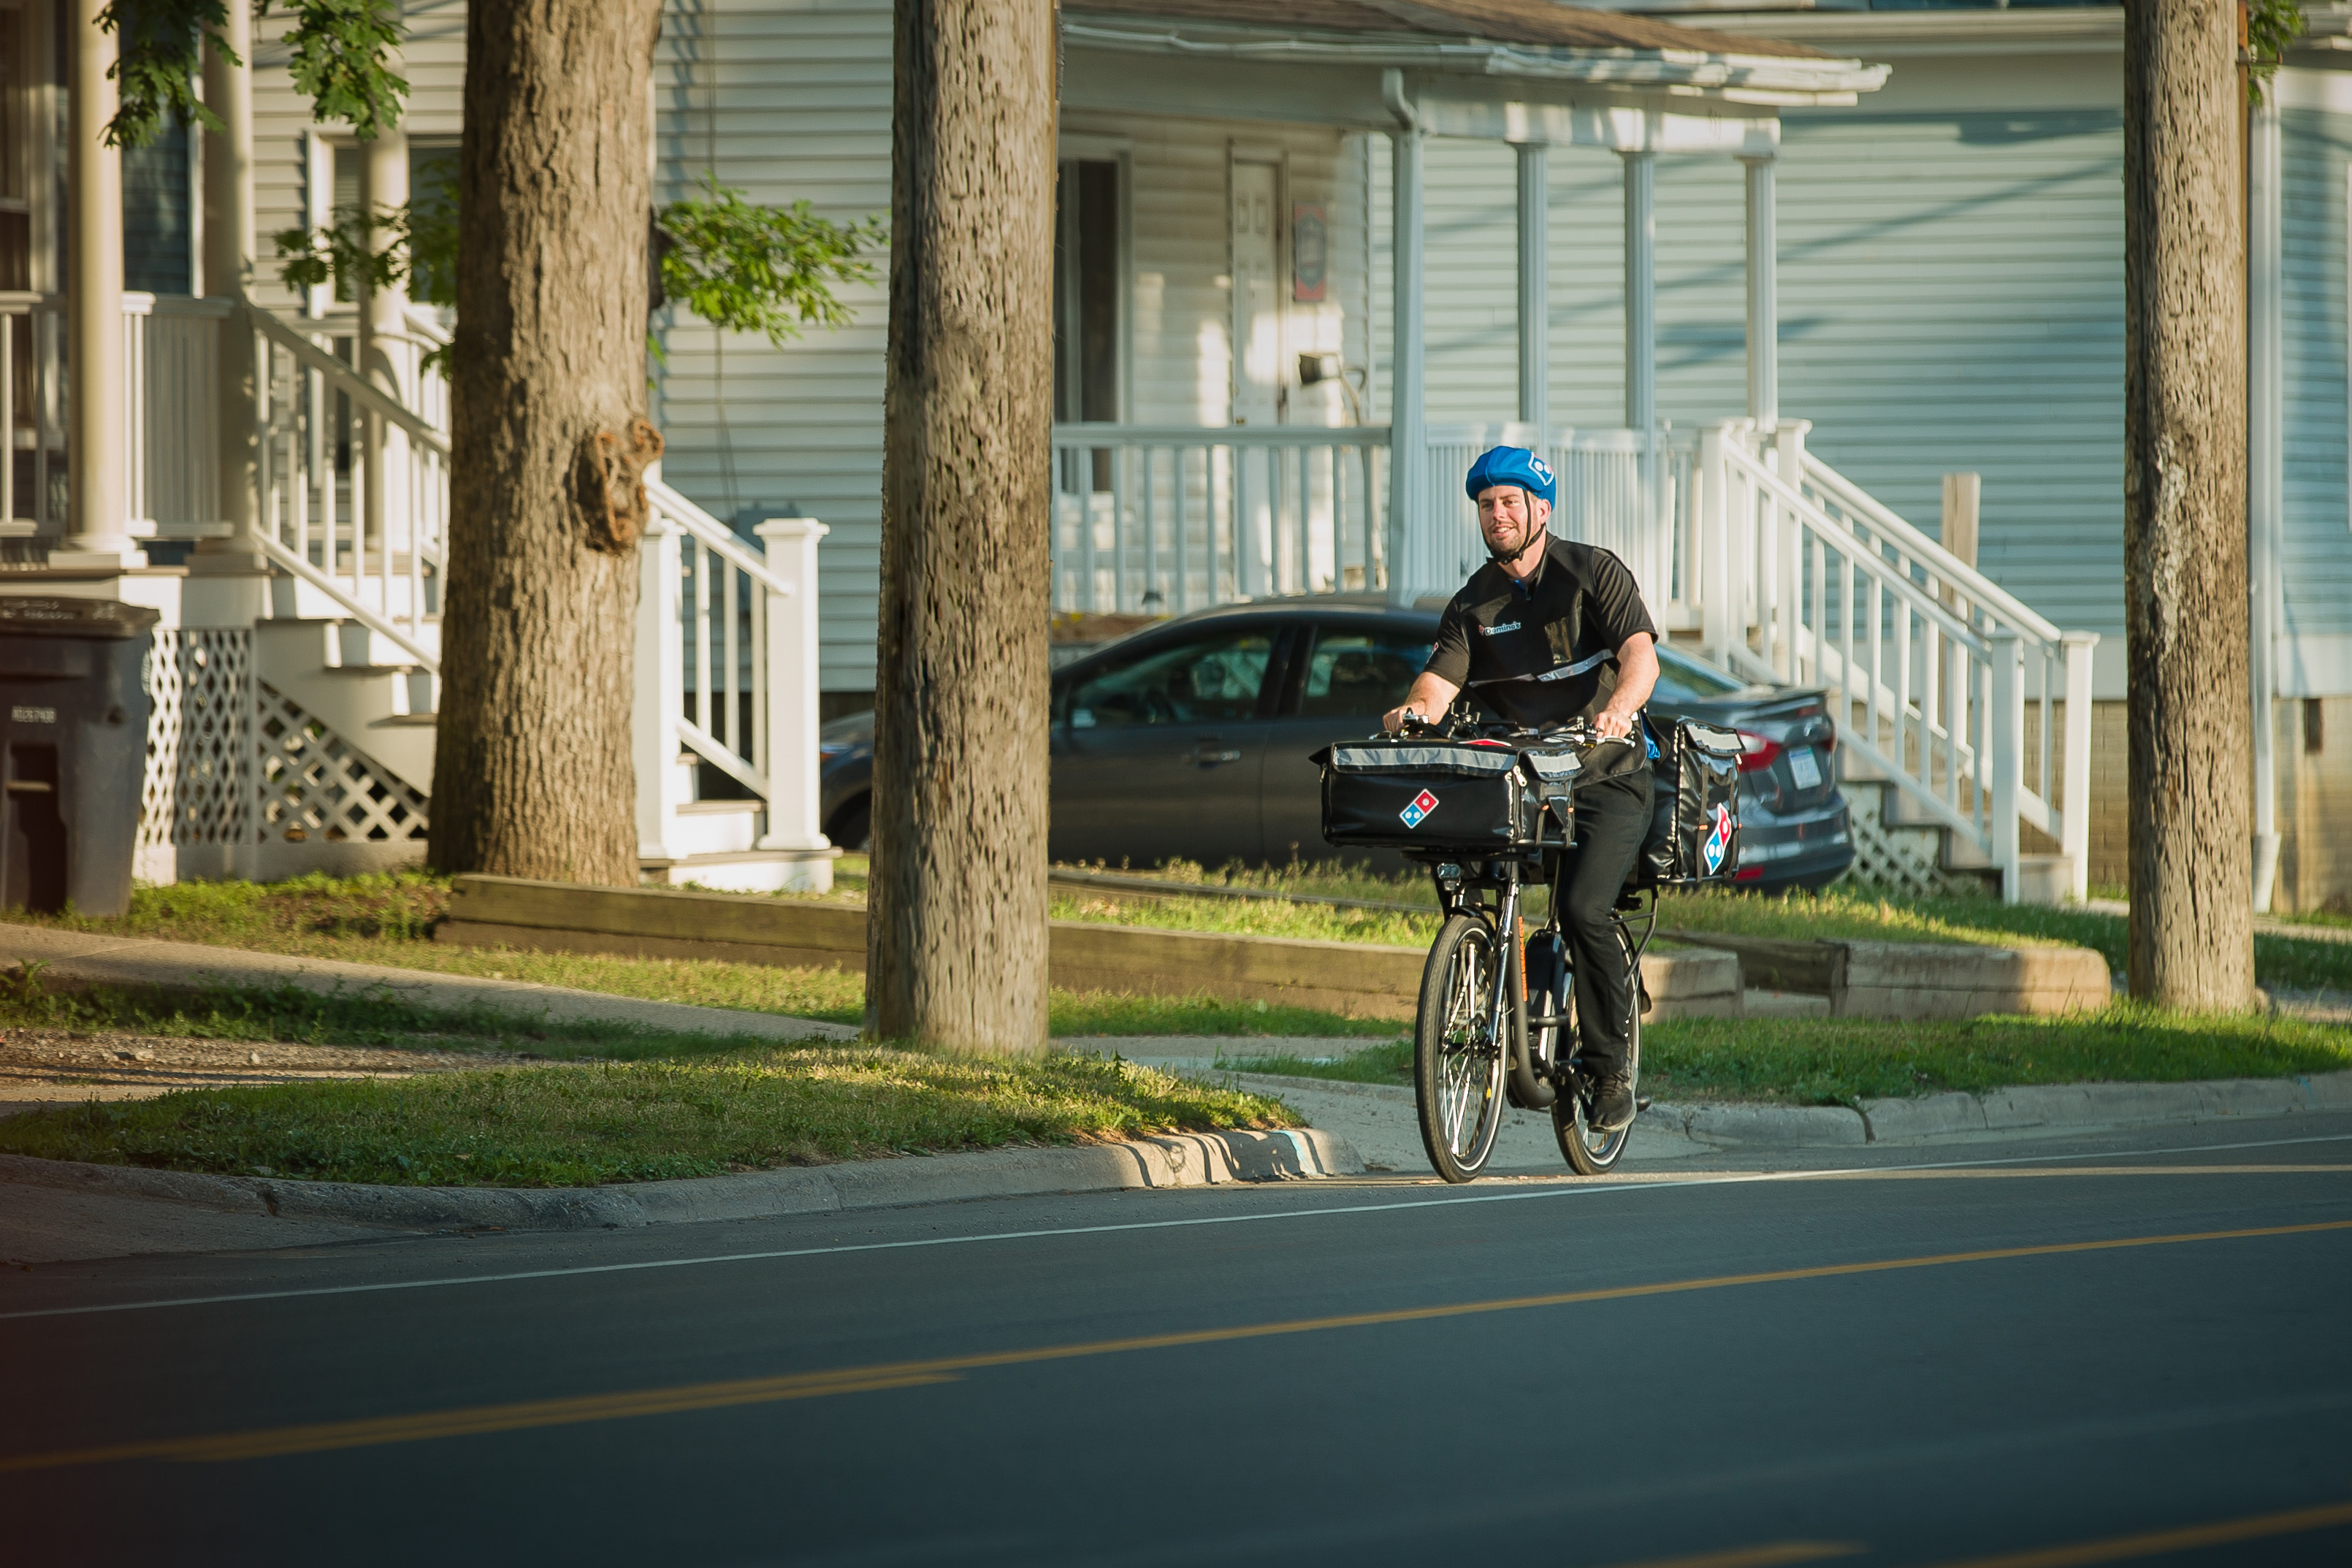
(1805,766)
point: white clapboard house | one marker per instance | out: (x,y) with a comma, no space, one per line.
(1754,293)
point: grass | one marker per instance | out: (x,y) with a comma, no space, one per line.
(387,919)
(1330,879)
(636,1121)
(1862,914)
(358,1015)
(1314,922)
(1820,1062)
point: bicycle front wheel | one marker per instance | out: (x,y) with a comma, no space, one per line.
(1457,1055)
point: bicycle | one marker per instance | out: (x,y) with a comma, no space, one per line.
(1484,1037)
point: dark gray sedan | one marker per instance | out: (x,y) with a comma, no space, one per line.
(1189,740)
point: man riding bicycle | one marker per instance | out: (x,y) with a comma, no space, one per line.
(1549,631)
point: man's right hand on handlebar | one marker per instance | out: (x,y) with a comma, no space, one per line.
(1427,702)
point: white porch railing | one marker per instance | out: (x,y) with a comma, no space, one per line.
(1622,489)
(170,416)
(1166,519)
(1802,577)
(726,667)
(354,485)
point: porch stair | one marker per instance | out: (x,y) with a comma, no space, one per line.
(1898,845)
(360,685)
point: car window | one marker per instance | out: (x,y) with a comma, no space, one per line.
(1683,679)
(1356,673)
(1210,680)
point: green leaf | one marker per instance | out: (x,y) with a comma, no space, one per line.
(748,269)
(339,48)
(159,47)
(2272,28)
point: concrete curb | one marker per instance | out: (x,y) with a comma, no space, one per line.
(2025,1111)
(2064,1107)
(1174,1160)
(2022,1112)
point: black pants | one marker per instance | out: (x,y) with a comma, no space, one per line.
(1611,817)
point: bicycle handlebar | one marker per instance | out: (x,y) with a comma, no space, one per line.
(1461,727)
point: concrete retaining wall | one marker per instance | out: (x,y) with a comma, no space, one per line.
(1351,978)
(1914,980)
(1930,980)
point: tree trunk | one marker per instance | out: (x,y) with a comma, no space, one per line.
(532,775)
(2192,942)
(957,931)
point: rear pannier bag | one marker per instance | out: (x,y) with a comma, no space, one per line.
(1426,794)
(1695,806)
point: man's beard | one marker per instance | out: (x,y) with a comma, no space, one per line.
(1500,555)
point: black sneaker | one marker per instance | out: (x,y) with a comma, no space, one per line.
(1613,1103)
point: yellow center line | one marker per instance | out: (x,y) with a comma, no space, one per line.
(1770,1556)
(2039,1171)
(321,1437)
(2155,1543)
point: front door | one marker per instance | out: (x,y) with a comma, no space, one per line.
(1257,301)
(1257,395)
(1157,754)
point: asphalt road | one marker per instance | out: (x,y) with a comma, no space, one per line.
(2133,1348)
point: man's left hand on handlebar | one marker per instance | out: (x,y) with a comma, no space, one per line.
(1611,724)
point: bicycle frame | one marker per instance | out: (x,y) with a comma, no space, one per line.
(1508,1020)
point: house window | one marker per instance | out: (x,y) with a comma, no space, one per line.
(158,213)
(1085,305)
(16,211)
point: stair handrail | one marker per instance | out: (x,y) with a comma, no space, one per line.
(351,606)
(714,535)
(1920,600)
(1872,564)
(1943,565)
(346,380)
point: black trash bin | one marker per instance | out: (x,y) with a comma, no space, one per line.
(73,750)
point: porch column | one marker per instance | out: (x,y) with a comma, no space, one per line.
(98,428)
(229,274)
(1408,437)
(2266,476)
(1763,297)
(386,357)
(1640,288)
(1535,286)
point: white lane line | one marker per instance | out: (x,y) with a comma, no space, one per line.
(1520,1195)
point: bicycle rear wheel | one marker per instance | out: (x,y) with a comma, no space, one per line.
(1457,1056)
(1592,1153)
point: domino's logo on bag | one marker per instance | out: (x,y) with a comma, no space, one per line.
(1418,809)
(1718,841)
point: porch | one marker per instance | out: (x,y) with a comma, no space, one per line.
(1749,549)
(277,487)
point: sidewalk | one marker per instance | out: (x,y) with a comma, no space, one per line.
(2268,924)
(97,960)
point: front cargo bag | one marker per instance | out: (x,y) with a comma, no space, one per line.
(1464,796)
(1695,815)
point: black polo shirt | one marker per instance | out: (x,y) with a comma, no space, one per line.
(1545,651)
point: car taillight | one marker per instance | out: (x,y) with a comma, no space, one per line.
(1756,753)
(1827,742)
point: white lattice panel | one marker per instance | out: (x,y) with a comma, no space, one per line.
(199,783)
(316,787)
(1907,859)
